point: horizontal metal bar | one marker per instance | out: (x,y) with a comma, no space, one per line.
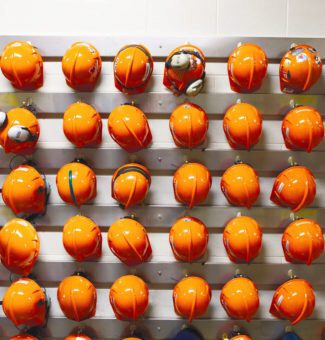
(100,328)
(58,101)
(212,46)
(158,216)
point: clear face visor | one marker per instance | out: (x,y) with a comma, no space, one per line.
(19,134)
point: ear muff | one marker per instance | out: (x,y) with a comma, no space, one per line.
(3,119)
(19,134)
(195,88)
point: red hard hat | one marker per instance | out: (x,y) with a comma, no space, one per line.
(191,297)
(188,239)
(300,69)
(242,239)
(295,187)
(293,300)
(192,183)
(247,66)
(303,128)
(303,241)
(129,297)
(240,185)
(239,297)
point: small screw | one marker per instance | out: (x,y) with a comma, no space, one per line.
(159,217)
(158,328)
(159,272)
(160,102)
(159,159)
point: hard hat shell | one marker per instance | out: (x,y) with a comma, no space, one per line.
(294,187)
(82,238)
(293,300)
(19,246)
(300,69)
(191,183)
(24,191)
(180,80)
(19,117)
(241,337)
(129,297)
(78,337)
(23,337)
(129,128)
(188,125)
(188,333)
(130,184)
(82,125)
(188,238)
(24,303)
(131,339)
(133,66)
(303,241)
(240,185)
(77,298)
(191,297)
(129,241)
(240,299)
(22,65)
(242,238)
(247,66)
(81,66)
(242,125)
(291,336)
(303,128)
(76,183)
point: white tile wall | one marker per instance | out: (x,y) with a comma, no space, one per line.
(164,17)
(252,17)
(306,18)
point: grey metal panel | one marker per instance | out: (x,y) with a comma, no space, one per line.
(212,46)
(272,104)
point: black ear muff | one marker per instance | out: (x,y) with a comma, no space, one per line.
(3,119)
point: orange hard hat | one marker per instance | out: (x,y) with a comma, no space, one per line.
(192,183)
(303,241)
(242,238)
(130,184)
(300,69)
(25,303)
(128,240)
(78,337)
(242,125)
(25,191)
(76,183)
(188,125)
(294,187)
(293,300)
(19,130)
(81,66)
(185,70)
(82,125)
(302,128)
(131,339)
(129,128)
(82,238)
(188,238)
(23,337)
(77,298)
(129,297)
(240,185)
(22,65)
(19,246)
(191,297)
(241,337)
(239,297)
(247,66)
(133,66)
